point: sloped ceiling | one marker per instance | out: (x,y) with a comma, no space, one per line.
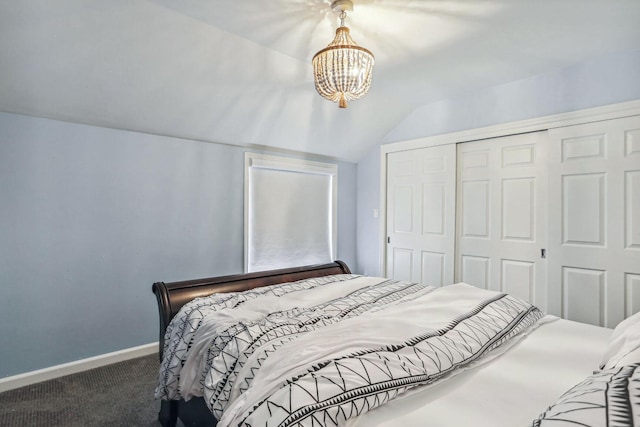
(238,71)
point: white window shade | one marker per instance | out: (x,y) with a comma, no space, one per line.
(290,212)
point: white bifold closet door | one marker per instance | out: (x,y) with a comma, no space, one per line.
(594,239)
(421,186)
(501,215)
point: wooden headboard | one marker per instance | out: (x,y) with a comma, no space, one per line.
(172,296)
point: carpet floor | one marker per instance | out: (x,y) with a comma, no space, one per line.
(120,394)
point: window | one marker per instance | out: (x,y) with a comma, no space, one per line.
(290,212)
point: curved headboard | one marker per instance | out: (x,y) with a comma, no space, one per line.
(172,296)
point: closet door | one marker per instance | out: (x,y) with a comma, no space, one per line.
(594,201)
(501,220)
(421,187)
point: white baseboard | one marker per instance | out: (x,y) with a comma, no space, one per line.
(28,378)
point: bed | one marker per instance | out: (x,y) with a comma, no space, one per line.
(385,353)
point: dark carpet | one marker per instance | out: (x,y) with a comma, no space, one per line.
(120,394)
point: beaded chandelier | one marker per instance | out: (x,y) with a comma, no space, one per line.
(342,70)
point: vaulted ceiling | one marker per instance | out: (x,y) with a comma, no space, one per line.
(239,71)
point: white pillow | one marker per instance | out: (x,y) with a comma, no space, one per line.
(624,344)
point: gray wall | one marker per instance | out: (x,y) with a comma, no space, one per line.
(90,217)
(368,250)
(606,80)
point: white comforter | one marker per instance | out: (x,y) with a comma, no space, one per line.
(180,334)
(306,355)
(510,390)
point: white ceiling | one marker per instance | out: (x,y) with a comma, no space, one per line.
(238,71)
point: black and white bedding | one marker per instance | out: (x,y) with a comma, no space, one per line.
(183,327)
(321,351)
(611,396)
(608,398)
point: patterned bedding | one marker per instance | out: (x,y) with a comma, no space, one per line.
(299,354)
(611,396)
(182,329)
(608,398)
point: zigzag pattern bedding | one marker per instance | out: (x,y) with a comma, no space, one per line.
(258,340)
(328,391)
(264,376)
(181,331)
(609,398)
(322,363)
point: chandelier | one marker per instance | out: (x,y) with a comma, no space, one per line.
(342,70)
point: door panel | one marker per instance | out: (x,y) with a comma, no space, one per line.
(421,187)
(632,203)
(583,198)
(476,270)
(433,208)
(594,227)
(518,209)
(584,291)
(632,291)
(403,209)
(518,278)
(432,267)
(402,263)
(475,205)
(501,215)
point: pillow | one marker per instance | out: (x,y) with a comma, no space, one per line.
(624,344)
(606,398)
